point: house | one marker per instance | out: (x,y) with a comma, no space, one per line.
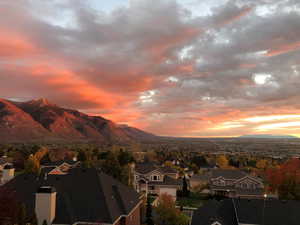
(199,180)
(81,196)
(156,180)
(4,161)
(8,173)
(59,167)
(248,212)
(235,183)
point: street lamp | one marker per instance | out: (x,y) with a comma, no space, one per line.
(265,197)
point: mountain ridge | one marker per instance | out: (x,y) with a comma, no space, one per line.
(266,136)
(41,120)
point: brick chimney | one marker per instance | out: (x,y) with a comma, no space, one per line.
(8,173)
(45,204)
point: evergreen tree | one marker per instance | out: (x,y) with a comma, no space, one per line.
(185,191)
(33,220)
(149,220)
(21,220)
(45,222)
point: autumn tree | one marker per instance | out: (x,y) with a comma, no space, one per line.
(32,165)
(222,161)
(167,213)
(261,164)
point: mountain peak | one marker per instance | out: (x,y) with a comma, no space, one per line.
(41,102)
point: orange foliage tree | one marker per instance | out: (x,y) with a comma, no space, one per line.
(285,179)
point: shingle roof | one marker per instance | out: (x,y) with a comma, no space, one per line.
(221,211)
(228,174)
(82,195)
(144,168)
(167,181)
(275,212)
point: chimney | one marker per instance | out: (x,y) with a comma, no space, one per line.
(45,204)
(8,173)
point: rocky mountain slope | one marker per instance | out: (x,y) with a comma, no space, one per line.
(40,120)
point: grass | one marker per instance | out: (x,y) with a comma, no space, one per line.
(195,200)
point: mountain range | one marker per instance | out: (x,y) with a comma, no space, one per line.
(41,121)
(267,136)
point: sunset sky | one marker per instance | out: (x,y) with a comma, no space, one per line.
(198,68)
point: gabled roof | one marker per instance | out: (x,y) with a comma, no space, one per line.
(144,168)
(276,212)
(82,195)
(212,211)
(168,181)
(228,174)
(257,211)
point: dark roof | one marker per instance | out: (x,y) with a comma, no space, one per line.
(144,168)
(8,166)
(221,211)
(167,169)
(201,177)
(276,212)
(167,181)
(255,211)
(82,195)
(228,174)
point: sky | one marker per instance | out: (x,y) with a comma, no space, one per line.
(192,68)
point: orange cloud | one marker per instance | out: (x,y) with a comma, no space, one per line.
(283,49)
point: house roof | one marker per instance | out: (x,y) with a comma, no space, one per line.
(167,181)
(228,174)
(257,211)
(201,177)
(212,211)
(276,212)
(82,195)
(144,168)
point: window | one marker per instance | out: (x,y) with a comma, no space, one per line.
(155,178)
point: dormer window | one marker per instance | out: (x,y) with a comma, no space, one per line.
(155,177)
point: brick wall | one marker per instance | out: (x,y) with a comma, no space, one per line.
(133,219)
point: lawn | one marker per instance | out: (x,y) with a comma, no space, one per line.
(195,200)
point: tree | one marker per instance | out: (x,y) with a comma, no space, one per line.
(124,157)
(33,219)
(32,165)
(21,219)
(82,157)
(149,220)
(185,191)
(45,222)
(222,161)
(167,214)
(261,164)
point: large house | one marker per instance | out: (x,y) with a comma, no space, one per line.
(79,196)
(248,212)
(235,183)
(157,180)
